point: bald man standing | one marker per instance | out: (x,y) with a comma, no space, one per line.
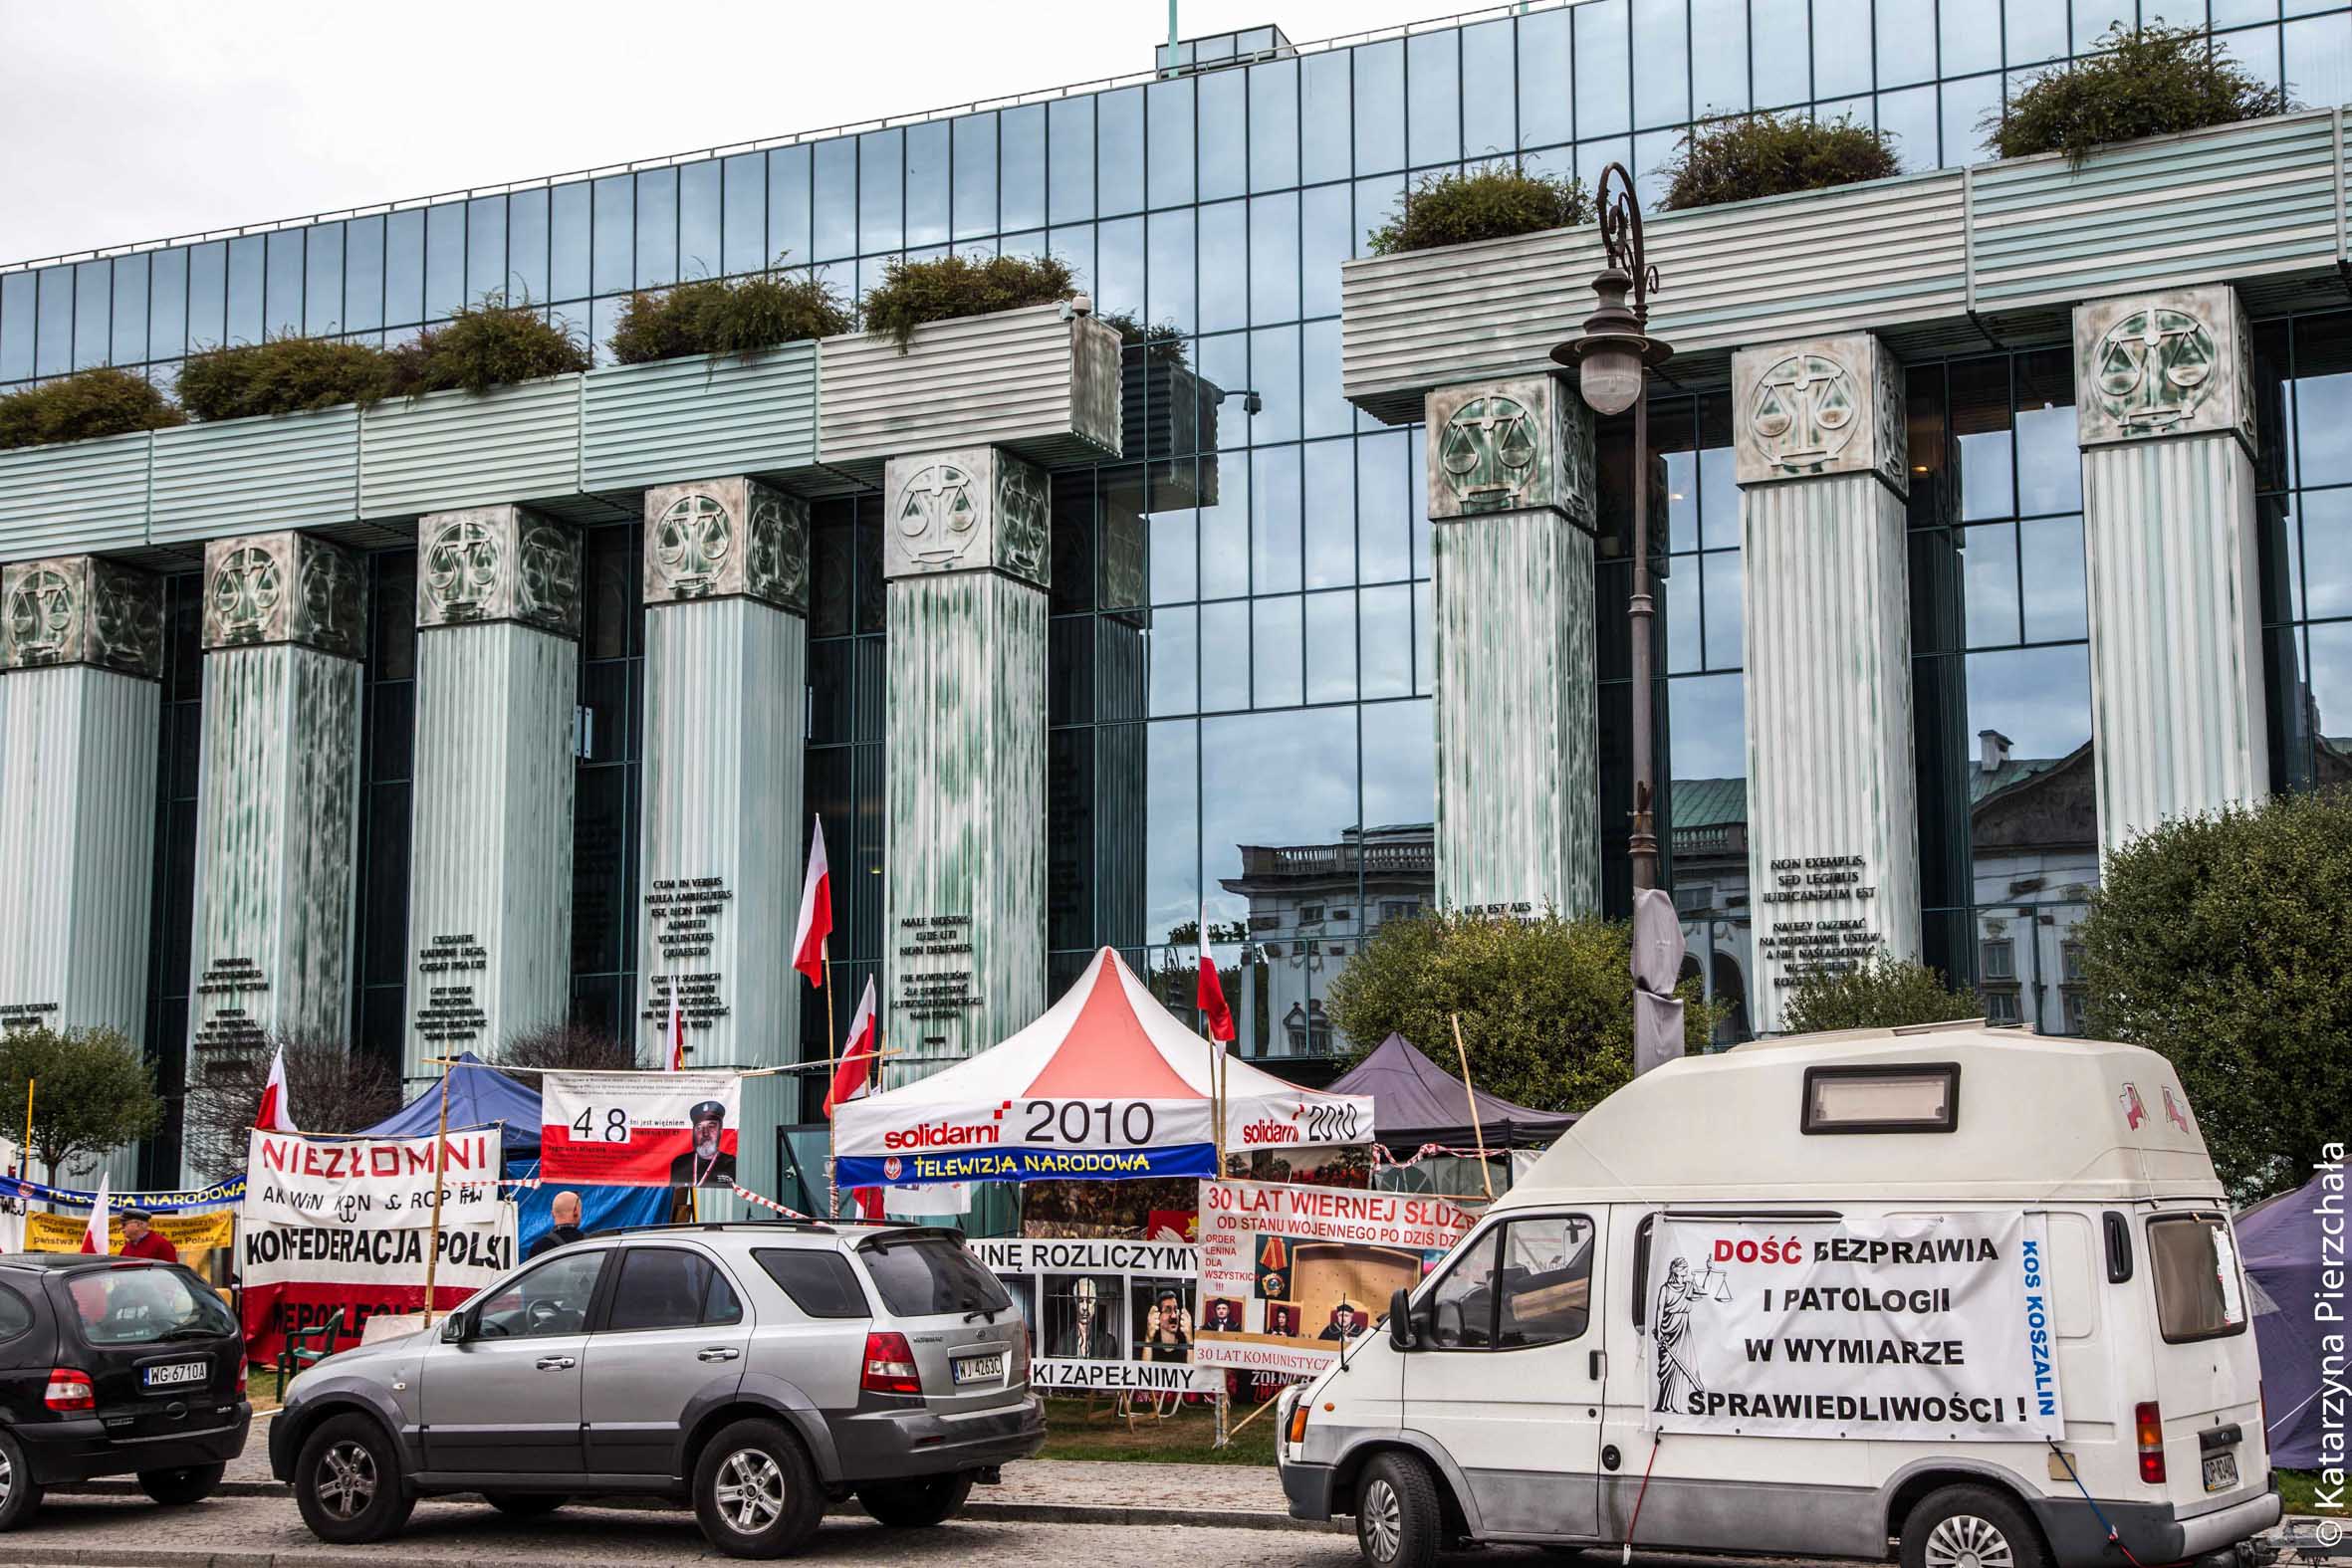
(565,1212)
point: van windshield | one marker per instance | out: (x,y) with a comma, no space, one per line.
(143,1307)
(2199,1292)
(920,1276)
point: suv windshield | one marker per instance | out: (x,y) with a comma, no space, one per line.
(2198,1292)
(921,1275)
(143,1307)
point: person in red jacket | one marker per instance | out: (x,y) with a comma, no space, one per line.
(140,1241)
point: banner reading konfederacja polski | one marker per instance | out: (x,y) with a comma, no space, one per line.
(1928,1326)
(300,1275)
(387,1183)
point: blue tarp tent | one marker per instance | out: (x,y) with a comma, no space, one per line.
(2279,1240)
(480,1094)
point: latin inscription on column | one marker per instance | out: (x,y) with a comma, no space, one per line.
(684,913)
(231,1026)
(1814,929)
(933,975)
(451,1011)
(25,1014)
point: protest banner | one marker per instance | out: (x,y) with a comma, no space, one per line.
(639,1129)
(1103,1315)
(1918,1326)
(196,1236)
(1289,1274)
(348,1224)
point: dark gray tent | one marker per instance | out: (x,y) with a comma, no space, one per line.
(1415,1101)
(2279,1240)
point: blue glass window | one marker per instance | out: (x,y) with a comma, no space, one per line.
(485,263)
(2318,58)
(248,264)
(129,318)
(881,192)
(1021,160)
(1545,103)
(168,306)
(927,176)
(743,247)
(1173,647)
(1172,299)
(1276,645)
(698,221)
(1433,84)
(1168,142)
(2036,31)
(616,235)
(1966,104)
(208,290)
(1603,69)
(1322,412)
(571,240)
(1380,106)
(835,202)
(1275,524)
(1907,42)
(1323,116)
(1489,122)
(323,264)
(1225,655)
(18,324)
(788,207)
(1969,44)
(1326,238)
(1119,274)
(444,262)
(1329,489)
(1273,258)
(526,246)
(1781,45)
(1909,116)
(1118,150)
(1222,125)
(657,228)
(1841,48)
(1224,265)
(282,279)
(1273,125)
(1330,647)
(54,343)
(976,176)
(1719,56)
(1069,159)
(1385,639)
(1661,63)
(94,297)
(1383,507)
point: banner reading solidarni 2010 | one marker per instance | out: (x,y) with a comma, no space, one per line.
(639,1129)
(1926,1326)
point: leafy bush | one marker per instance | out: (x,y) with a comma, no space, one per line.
(948,287)
(1489,203)
(1161,341)
(1882,993)
(77,408)
(1773,155)
(2145,81)
(91,1090)
(483,345)
(2220,941)
(281,376)
(738,315)
(1546,1004)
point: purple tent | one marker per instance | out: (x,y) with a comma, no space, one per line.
(1415,1101)
(2281,1243)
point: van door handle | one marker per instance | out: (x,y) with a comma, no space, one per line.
(1594,1364)
(556,1363)
(718,1353)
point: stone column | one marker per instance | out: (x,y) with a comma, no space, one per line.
(490,843)
(276,819)
(963,904)
(1512,488)
(80,659)
(1833,796)
(2164,404)
(720,847)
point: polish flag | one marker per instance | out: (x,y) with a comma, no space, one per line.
(94,1239)
(853,1077)
(1214,1011)
(276,1113)
(816,911)
(677,1033)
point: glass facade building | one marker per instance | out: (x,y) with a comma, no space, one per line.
(1258,725)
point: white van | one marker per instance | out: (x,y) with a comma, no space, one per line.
(1967,1289)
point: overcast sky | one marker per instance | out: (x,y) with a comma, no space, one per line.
(133,119)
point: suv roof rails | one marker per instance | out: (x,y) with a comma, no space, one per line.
(812,1227)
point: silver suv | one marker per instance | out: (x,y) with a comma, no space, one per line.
(756,1371)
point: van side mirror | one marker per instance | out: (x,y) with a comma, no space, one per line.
(1400,1319)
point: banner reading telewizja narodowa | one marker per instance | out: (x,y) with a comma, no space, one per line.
(881,1143)
(1103,1314)
(639,1129)
(344,1225)
(1935,1326)
(1290,1275)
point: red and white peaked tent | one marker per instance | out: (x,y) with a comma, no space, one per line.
(1108,1085)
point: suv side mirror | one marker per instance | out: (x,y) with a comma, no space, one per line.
(1400,1319)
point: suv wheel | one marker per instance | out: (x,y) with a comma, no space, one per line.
(754,1492)
(1970,1527)
(20,1495)
(919,1503)
(347,1482)
(177,1487)
(1398,1516)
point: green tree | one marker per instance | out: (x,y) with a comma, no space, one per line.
(2220,940)
(93,1093)
(1546,1004)
(1881,992)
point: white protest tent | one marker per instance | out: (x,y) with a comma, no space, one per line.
(1082,1078)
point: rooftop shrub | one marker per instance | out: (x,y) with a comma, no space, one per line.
(281,376)
(1489,203)
(1773,155)
(492,343)
(949,288)
(83,406)
(2144,81)
(734,315)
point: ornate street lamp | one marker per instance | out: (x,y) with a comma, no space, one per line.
(1612,360)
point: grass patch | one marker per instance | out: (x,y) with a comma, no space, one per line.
(81,407)
(1086,1430)
(2299,1490)
(1491,203)
(950,288)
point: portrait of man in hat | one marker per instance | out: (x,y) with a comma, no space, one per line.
(706,1164)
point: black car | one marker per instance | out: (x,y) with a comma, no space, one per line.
(115,1364)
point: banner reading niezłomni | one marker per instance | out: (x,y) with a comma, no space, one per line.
(639,1129)
(346,1223)
(1290,1275)
(1935,1326)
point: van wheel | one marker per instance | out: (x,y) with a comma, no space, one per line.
(176,1488)
(754,1492)
(347,1483)
(1970,1527)
(1398,1516)
(20,1495)
(919,1503)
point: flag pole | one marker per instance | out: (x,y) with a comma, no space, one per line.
(27,1161)
(1485,1173)
(833,1061)
(432,1257)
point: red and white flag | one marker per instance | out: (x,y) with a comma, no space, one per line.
(95,1239)
(676,1033)
(1214,1012)
(816,911)
(276,1113)
(853,1077)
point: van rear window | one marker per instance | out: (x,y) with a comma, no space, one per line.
(923,1276)
(2199,1292)
(1882,1098)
